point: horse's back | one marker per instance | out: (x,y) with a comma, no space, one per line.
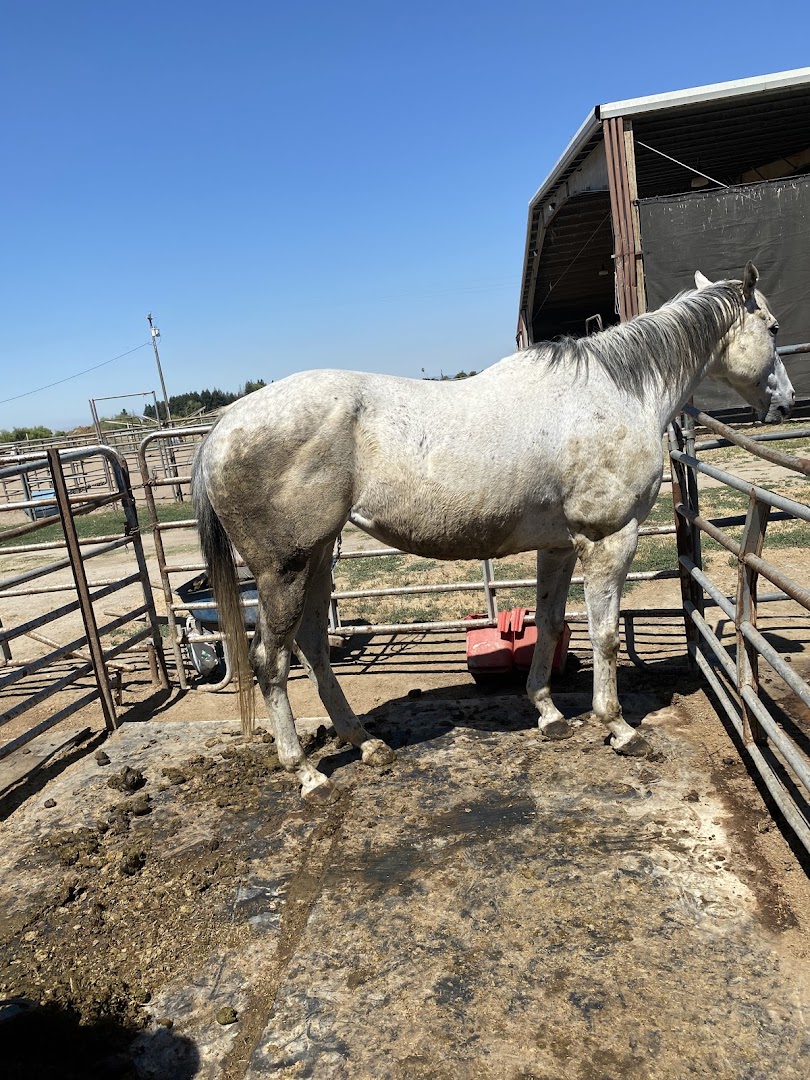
(468,468)
(329,412)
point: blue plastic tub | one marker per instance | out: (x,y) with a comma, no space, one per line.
(199,591)
(38,512)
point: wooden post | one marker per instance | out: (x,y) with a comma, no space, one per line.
(632,190)
(621,170)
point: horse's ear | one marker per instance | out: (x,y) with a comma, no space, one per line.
(701,281)
(750,279)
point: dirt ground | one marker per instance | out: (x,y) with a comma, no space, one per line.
(491,905)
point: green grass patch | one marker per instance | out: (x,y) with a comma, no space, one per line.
(170,511)
(788,534)
(366,573)
(655,553)
(732,453)
(723,502)
(102,523)
(663,512)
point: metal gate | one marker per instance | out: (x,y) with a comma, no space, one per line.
(58,494)
(777,749)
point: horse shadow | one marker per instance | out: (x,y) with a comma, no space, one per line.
(42,771)
(500,705)
(49,1042)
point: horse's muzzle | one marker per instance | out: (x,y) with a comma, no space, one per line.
(777,413)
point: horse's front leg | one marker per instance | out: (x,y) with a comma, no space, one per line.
(554,569)
(605,564)
(313,645)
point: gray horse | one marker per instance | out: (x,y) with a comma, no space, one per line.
(572,431)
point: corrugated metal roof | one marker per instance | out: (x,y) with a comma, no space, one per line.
(699,95)
(589,133)
(575,278)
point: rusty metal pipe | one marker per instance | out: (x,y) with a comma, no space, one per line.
(776,457)
(780,502)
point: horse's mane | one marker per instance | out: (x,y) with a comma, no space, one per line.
(670,344)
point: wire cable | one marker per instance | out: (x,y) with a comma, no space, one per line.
(59,382)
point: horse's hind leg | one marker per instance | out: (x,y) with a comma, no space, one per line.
(605,564)
(313,643)
(554,569)
(281,602)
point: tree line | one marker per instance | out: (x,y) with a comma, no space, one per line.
(23,434)
(447,378)
(180,405)
(195,401)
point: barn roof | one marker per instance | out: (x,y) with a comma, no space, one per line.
(725,133)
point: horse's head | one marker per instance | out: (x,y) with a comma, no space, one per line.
(748,360)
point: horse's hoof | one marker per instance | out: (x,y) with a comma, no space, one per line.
(557,729)
(320,794)
(635,745)
(376,752)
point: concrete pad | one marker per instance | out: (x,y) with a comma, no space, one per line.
(491,905)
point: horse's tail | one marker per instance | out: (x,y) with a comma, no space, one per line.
(219,559)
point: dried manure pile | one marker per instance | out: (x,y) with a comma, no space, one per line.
(491,905)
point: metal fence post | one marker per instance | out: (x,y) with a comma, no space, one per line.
(160,551)
(5,649)
(687,536)
(134,530)
(489,589)
(82,590)
(692,495)
(333,617)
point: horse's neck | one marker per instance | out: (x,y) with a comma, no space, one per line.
(673,394)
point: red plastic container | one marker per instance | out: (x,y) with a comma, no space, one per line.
(489,650)
(509,647)
(524,639)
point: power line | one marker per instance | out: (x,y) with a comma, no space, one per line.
(59,382)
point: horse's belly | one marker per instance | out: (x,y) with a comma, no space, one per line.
(452,536)
(429,539)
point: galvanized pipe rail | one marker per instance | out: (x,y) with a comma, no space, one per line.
(84,474)
(78,552)
(781,762)
(166,569)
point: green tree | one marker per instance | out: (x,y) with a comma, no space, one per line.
(441,377)
(252,385)
(193,401)
(22,434)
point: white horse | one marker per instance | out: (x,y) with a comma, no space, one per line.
(556,449)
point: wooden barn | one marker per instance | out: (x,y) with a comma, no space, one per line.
(653,188)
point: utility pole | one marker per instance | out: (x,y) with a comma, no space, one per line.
(172,468)
(155,335)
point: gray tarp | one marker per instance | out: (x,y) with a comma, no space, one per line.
(717,232)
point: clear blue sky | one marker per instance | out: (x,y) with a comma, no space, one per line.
(303,185)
